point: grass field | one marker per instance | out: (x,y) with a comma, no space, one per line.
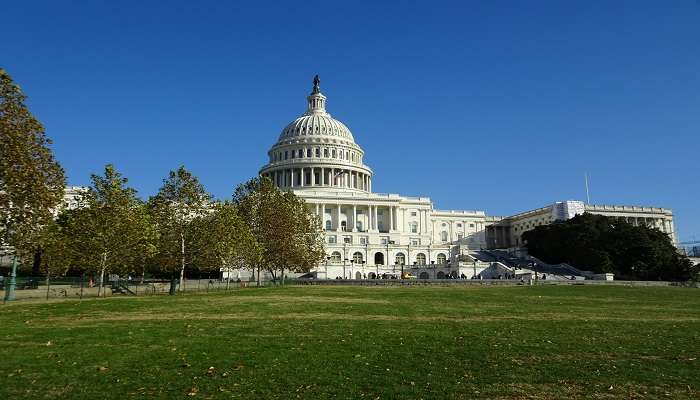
(359,343)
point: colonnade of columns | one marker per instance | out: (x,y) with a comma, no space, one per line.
(368,215)
(320,176)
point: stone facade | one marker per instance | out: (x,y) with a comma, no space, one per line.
(370,233)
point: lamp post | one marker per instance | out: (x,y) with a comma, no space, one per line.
(352,267)
(328,258)
(474,276)
(345,260)
(12,282)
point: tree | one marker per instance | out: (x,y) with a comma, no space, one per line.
(31,180)
(604,244)
(113,231)
(56,255)
(180,201)
(288,234)
(228,242)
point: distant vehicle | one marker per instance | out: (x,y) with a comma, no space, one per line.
(407,275)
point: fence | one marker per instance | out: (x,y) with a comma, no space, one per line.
(36,288)
(77,287)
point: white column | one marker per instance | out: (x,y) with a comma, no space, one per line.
(301,176)
(391,218)
(369,218)
(337,216)
(313,177)
(317,210)
(376,219)
(354,218)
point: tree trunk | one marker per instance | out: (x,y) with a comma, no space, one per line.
(282,276)
(258,275)
(101,288)
(48,284)
(182,260)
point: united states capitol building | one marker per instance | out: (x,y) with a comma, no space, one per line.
(370,234)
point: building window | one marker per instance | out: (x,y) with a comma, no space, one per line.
(413,213)
(420,259)
(286,153)
(308,152)
(333,153)
(329,225)
(293,154)
(444,224)
(471,225)
(332,239)
(357,257)
(415,242)
(318,152)
(441,259)
(400,259)
(384,240)
(301,153)
(414,227)
(358,225)
(459,225)
(325,153)
(347,239)
(363,240)
(335,257)
(443,236)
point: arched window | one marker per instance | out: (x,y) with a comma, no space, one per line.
(441,259)
(443,236)
(329,225)
(335,257)
(378,258)
(357,257)
(400,259)
(420,259)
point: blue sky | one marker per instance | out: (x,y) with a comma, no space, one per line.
(500,106)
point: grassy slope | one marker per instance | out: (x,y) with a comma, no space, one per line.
(346,342)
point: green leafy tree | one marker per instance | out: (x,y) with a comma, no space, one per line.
(287,233)
(31,180)
(180,201)
(227,241)
(56,250)
(113,232)
(604,244)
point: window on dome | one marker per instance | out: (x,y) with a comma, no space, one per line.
(308,152)
(285,154)
(318,152)
(325,153)
(334,153)
(293,153)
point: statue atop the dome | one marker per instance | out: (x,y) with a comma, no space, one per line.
(316,89)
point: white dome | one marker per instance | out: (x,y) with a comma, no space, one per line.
(316,124)
(316,151)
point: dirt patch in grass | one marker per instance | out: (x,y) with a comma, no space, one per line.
(126,316)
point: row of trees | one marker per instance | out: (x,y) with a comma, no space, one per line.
(180,227)
(114,231)
(603,244)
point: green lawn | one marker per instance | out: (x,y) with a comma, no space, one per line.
(521,342)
